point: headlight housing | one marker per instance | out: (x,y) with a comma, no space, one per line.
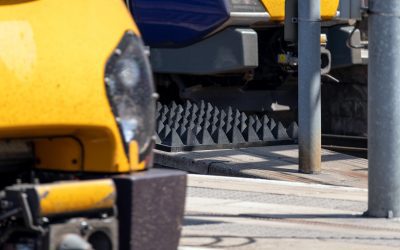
(130,89)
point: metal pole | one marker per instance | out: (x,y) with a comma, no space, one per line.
(384,108)
(309,86)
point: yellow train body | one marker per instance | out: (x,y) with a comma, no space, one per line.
(276,9)
(52,62)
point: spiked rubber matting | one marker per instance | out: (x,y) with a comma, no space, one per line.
(203,126)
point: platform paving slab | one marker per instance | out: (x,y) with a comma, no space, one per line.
(245,213)
(271,163)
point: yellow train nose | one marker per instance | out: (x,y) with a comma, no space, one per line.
(276,9)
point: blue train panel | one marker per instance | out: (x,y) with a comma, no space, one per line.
(177,23)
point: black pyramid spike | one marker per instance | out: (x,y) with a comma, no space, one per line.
(180,108)
(236,121)
(243,122)
(158,140)
(229,114)
(159,126)
(279,132)
(164,132)
(159,106)
(187,110)
(292,130)
(170,116)
(264,120)
(184,121)
(200,116)
(173,139)
(178,117)
(192,125)
(215,116)
(192,116)
(220,137)
(212,128)
(222,115)
(208,112)
(257,124)
(228,125)
(221,119)
(171,120)
(163,118)
(204,137)
(202,108)
(198,121)
(176,124)
(209,107)
(158,110)
(206,124)
(173,106)
(187,104)
(237,115)
(235,135)
(265,134)
(165,110)
(271,124)
(251,121)
(197,128)
(229,111)
(179,113)
(243,116)
(195,108)
(202,104)
(250,134)
(181,129)
(189,137)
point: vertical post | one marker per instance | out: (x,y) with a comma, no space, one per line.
(384,108)
(309,86)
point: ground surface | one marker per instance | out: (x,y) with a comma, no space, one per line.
(242,213)
(273,163)
(278,208)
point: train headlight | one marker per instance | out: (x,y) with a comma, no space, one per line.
(130,89)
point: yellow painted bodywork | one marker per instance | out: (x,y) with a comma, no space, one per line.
(52,61)
(77,196)
(276,9)
(70,157)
